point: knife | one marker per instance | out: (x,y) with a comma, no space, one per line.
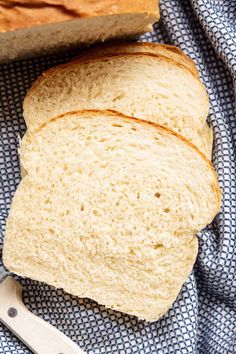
(38,335)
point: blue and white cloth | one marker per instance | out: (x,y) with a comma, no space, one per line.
(203,318)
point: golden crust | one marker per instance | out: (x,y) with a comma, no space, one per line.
(16,14)
(215,186)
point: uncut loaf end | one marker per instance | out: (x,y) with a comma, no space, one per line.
(29,28)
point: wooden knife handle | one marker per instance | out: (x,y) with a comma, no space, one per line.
(38,335)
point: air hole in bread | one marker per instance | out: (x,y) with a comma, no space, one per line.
(76,127)
(158,245)
(117,125)
(104,165)
(119,97)
(110,148)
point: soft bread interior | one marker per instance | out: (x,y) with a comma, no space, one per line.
(118,201)
(166,51)
(141,85)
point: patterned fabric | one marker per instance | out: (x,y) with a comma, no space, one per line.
(203,318)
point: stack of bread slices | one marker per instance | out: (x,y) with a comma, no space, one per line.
(117,179)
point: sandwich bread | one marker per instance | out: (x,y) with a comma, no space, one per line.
(143,85)
(108,208)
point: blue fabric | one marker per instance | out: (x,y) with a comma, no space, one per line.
(203,318)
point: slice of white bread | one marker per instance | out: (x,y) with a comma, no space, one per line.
(108,208)
(166,51)
(140,85)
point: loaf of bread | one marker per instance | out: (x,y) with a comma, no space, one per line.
(37,27)
(162,88)
(108,209)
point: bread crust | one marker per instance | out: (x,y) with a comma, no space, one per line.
(107,113)
(84,60)
(18,14)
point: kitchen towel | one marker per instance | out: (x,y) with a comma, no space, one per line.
(203,318)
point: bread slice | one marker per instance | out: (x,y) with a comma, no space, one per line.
(166,51)
(37,27)
(137,84)
(108,209)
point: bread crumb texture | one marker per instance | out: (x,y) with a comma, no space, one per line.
(108,208)
(142,85)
